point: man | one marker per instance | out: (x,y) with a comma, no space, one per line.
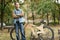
(18,21)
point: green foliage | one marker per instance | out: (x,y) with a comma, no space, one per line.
(39,6)
(8,13)
(46,6)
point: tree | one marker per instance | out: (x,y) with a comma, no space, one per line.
(3,5)
(33,8)
(57,2)
(47,6)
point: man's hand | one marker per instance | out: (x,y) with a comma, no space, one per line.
(14,16)
(21,14)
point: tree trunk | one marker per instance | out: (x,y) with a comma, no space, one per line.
(2,12)
(54,18)
(59,18)
(47,19)
(33,17)
(32,9)
(42,16)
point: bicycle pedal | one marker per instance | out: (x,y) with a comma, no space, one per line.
(39,32)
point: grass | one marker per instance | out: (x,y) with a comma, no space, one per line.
(4,35)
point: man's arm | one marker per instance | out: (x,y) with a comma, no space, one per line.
(22,14)
(13,15)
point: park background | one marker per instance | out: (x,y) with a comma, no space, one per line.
(34,11)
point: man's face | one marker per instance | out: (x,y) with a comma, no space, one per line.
(17,5)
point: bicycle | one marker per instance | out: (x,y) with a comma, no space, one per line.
(48,36)
(48,33)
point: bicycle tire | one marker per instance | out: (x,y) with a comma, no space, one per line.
(11,33)
(52,38)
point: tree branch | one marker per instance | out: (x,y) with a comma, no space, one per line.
(7,2)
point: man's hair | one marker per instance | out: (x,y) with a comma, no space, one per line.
(15,3)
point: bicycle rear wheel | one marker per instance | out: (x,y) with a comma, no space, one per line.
(48,33)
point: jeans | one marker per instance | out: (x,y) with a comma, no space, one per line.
(21,27)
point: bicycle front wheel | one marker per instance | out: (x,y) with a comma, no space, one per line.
(12,34)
